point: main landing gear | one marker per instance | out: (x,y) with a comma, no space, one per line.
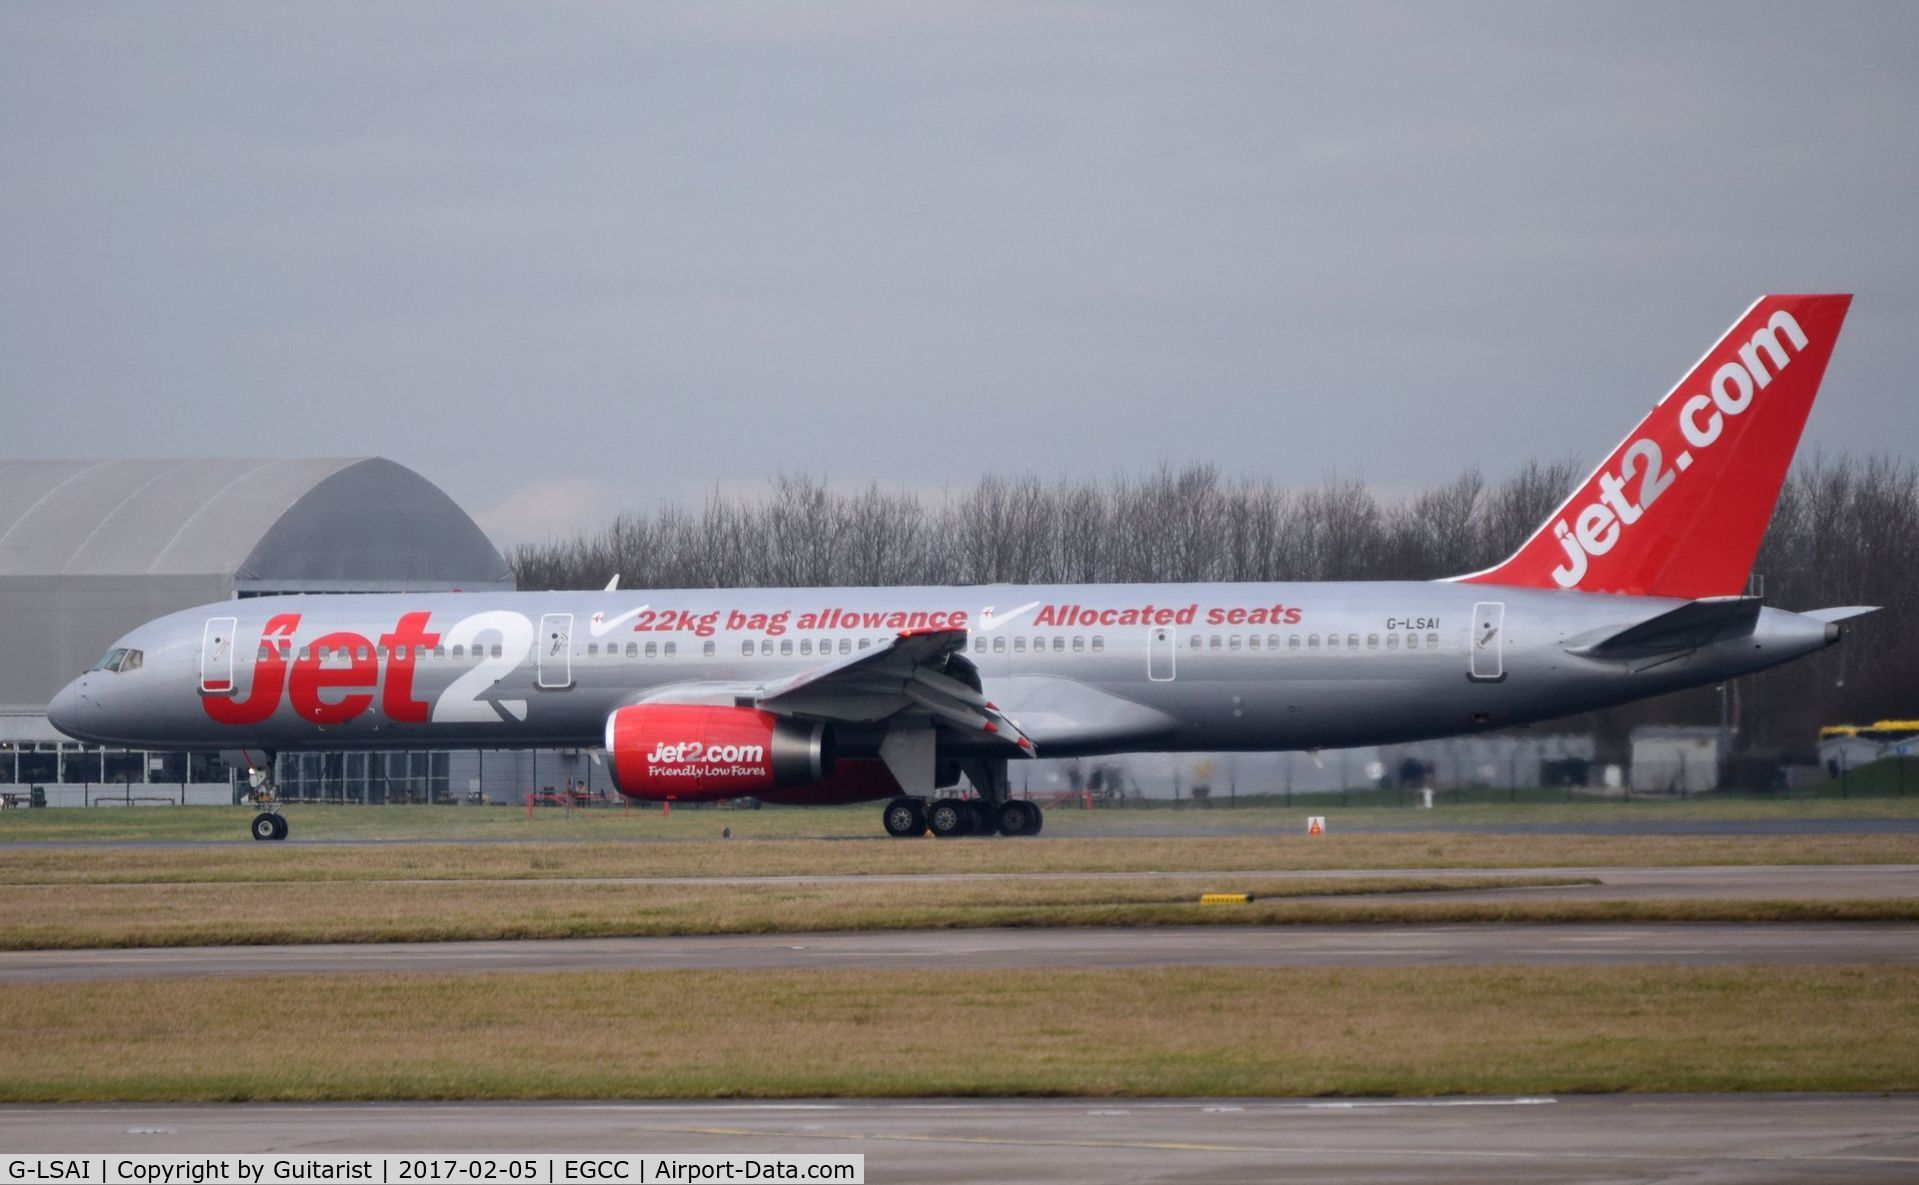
(994,812)
(950,818)
(904,817)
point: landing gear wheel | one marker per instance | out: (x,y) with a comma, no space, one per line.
(279,826)
(267,825)
(983,817)
(1017,817)
(950,817)
(1039,818)
(904,818)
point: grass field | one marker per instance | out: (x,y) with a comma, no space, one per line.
(1213,1032)
(689,855)
(56,895)
(316,822)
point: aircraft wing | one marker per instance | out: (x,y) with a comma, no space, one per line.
(921,672)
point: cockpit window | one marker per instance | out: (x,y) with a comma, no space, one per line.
(120,659)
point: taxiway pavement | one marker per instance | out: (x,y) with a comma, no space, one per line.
(1103,947)
(1697,1139)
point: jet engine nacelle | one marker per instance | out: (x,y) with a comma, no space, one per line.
(682,752)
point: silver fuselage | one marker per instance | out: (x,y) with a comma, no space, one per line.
(1084,669)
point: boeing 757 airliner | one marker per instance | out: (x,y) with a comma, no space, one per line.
(831,695)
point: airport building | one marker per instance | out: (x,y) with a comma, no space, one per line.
(92,549)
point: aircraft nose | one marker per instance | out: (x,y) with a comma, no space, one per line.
(72,710)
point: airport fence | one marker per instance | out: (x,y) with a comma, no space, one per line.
(54,794)
(1888,778)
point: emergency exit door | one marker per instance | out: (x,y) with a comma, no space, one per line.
(1161,648)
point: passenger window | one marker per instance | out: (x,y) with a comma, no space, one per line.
(865,642)
(1352,641)
(304,653)
(999,644)
(365,653)
(265,652)
(632,649)
(652,649)
(1272,641)
(592,649)
(1059,643)
(672,648)
(846,645)
(707,650)
(1252,641)
(458,652)
(1372,641)
(1392,641)
(496,650)
(806,645)
(1312,641)
(747,647)
(1099,643)
(979,645)
(786,645)
(1232,642)
(1079,642)
(1292,641)
(1332,641)
(1198,641)
(439,652)
(1019,645)
(1412,641)
(1432,641)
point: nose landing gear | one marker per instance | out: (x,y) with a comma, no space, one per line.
(269,824)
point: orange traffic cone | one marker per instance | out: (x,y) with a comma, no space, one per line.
(1316,825)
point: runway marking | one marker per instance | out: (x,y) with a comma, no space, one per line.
(1354,1106)
(996,1141)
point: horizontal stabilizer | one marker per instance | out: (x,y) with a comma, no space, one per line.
(1842,613)
(1700,623)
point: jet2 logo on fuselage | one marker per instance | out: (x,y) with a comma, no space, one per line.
(332,678)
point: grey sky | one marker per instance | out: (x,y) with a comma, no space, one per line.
(569,259)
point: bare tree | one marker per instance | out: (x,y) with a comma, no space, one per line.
(1845,532)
